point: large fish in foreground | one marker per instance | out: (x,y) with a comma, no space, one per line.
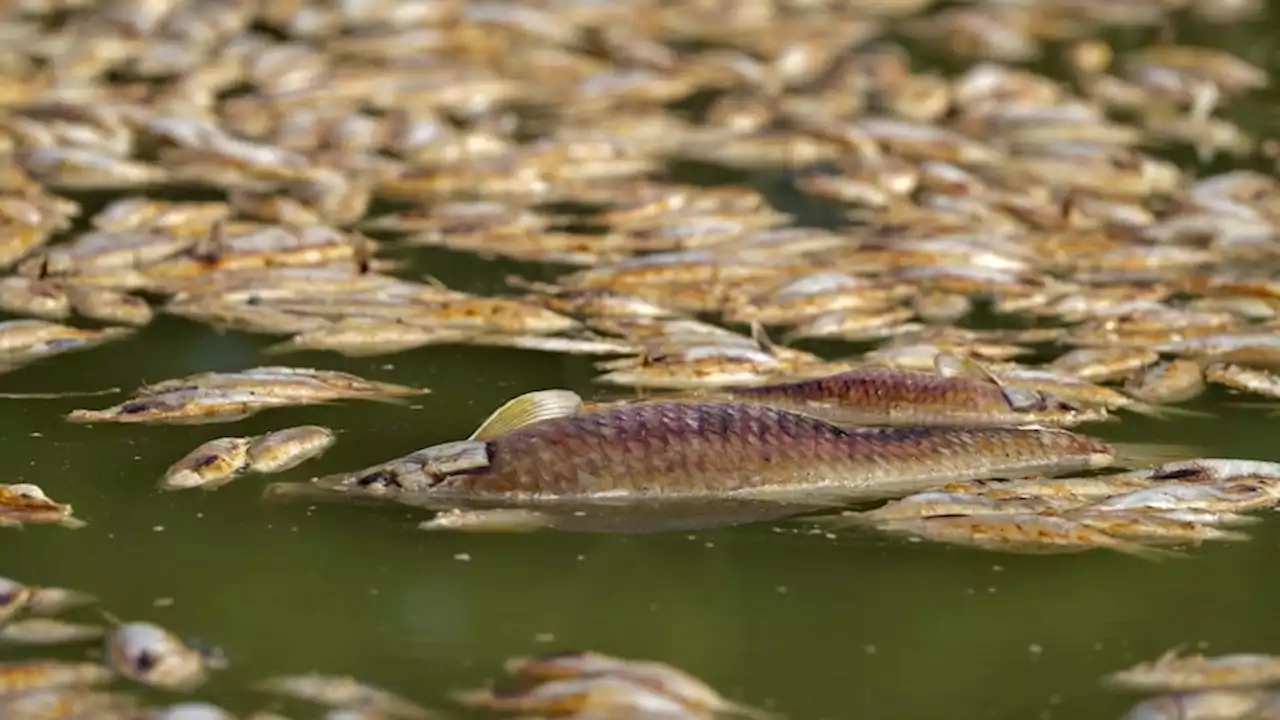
(541,451)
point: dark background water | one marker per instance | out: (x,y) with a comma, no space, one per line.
(815,626)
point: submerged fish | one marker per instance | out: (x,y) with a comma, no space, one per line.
(540,447)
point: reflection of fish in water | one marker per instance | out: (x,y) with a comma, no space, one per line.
(539,452)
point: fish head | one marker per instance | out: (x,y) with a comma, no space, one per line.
(417,472)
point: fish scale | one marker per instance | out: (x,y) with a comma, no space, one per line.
(687,449)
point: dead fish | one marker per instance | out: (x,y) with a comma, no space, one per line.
(342,692)
(1204,705)
(210,466)
(1172,672)
(1102,365)
(1026,533)
(1252,380)
(603,696)
(1153,527)
(658,677)
(109,306)
(27,676)
(1173,381)
(155,657)
(13,598)
(286,449)
(1235,496)
(70,702)
(939,502)
(47,631)
(54,600)
(191,711)
(540,447)
(34,297)
(27,504)
(886,396)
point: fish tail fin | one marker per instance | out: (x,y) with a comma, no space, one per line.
(1165,412)
(1137,455)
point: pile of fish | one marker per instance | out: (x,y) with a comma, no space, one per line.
(1227,687)
(339,135)
(221,397)
(1002,257)
(1178,503)
(584,685)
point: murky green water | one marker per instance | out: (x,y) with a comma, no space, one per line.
(856,626)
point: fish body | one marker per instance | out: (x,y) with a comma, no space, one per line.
(288,448)
(718,449)
(888,396)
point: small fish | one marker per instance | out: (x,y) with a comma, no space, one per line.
(47,631)
(54,600)
(69,702)
(28,676)
(1206,705)
(1173,381)
(1033,534)
(937,503)
(210,466)
(1256,381)
(1103,365)
(604,696)
(1172,672)
(659,677)
(539,446)
(27,504)
(155,657)
(286,449)
(343,692)
(1236,496)
(191,711)
(1152,527)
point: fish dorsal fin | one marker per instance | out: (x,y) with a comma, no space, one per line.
(952,365)
(955,366)
(761,338)
(527,409)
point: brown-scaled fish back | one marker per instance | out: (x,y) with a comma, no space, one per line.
(682,448)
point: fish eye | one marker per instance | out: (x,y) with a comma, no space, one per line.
(146,661)
(133,408)
(382,479)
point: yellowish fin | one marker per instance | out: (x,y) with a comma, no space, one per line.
(761,338)
(528,409)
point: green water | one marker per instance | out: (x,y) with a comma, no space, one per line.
(856,626)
